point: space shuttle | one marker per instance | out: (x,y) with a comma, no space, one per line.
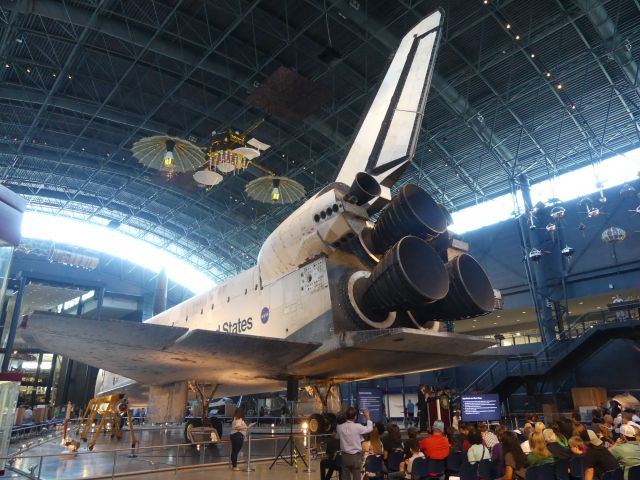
(352,285)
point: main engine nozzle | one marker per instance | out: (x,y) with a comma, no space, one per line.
(470,293)
(410,274)
(363,189)
(411,212)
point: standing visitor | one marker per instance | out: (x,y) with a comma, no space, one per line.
(410,411)
(238,431)
(350,434)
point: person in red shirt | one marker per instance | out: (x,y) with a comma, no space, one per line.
(436,446)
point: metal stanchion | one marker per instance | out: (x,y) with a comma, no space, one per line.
(249,469)
(39,468)
(203,446)
(113,469)
(175,471)
(308,469)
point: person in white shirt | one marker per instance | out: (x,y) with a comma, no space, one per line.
(477,452)
(350,434)
(456,419)
(238,431)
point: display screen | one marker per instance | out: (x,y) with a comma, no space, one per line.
(370,399)
(480,407)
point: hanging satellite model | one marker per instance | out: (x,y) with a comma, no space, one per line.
(551,228)
(558,213)
(231,152)
(582,227)
(567,252)
(535,255)
(592,212)
(612,236)
(227,152)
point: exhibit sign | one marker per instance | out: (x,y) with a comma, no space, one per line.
(480,407)
(371,399)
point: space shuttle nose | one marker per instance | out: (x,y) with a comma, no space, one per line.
(410,274)
(411,212)
(470,293)
(363,189)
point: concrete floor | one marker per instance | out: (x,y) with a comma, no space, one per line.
(158,450)
(280,471)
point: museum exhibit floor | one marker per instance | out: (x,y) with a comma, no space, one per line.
(161,454)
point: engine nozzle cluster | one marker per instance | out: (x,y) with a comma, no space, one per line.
(411,275)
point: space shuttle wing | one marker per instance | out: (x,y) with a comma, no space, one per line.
(364,354)
(158,354)
(387,137)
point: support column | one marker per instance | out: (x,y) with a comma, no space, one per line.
(36,378)
(52,372)
(15,318)
(3,315)
(160,295)
(92,372)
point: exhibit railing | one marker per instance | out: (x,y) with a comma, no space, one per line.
(123,462)
(540,361)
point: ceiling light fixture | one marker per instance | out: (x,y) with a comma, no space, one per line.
(548,74)
(517,37)
(559,86)
(533,55)
(508,26)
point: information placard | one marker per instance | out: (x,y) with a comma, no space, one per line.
(481,407)
(371,399)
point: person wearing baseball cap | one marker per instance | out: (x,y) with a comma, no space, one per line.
(627,449)
(598,459)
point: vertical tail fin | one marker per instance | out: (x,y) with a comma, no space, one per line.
(387,138)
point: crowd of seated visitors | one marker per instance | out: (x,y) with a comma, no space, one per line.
(583,452)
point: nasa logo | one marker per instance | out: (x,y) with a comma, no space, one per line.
(264,315)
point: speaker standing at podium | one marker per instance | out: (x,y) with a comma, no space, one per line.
(422,407)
